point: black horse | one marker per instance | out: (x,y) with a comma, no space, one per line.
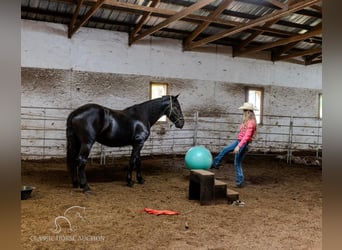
(92,123)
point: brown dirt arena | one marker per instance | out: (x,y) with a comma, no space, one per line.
(283,208)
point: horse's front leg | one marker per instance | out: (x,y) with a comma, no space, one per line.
(135,161)
(130,182)
(138,171)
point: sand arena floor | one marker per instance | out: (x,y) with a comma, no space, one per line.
(283,208)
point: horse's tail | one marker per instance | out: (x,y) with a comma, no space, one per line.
(73,148)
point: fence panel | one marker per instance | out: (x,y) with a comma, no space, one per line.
(43,135)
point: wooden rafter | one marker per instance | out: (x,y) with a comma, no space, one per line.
(268,24)
(313,59)
(316,7)
(276,53)
(285,45)
(276,14)
(173,18)
(142,21)
(300,53)
(131,8)
(314,32)
(204,25)
(278,4)
(314,56)
(74,17)
(93,9)
(192,18)
(252,36)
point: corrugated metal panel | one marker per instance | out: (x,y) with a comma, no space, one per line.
(246,8)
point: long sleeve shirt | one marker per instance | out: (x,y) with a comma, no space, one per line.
(246,135)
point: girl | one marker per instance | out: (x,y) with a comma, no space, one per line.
(240,145)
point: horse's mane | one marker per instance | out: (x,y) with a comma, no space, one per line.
(148,103)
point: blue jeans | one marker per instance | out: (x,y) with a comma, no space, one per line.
(237,160)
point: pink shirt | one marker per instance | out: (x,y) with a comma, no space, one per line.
(246,135)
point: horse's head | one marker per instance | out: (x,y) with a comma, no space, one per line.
(174,112)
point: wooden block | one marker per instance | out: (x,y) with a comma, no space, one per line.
(232,195)
(201,172)
(220,183)
(220,190)
(201,186)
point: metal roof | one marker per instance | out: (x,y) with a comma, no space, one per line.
(288,30)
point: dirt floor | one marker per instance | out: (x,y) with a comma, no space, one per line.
(283,208)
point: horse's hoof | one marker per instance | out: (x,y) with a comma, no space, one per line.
(88,192)
(141,181)
(85,188)
(130,183)
(75,184)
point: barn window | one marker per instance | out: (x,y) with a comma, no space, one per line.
(320,110)
(255,96)
(158,89)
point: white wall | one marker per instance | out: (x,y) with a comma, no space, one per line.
(60,74)
(45,45)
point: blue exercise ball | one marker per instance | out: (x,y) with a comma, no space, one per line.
(198,157)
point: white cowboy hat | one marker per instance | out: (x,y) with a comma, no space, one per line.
(248,106)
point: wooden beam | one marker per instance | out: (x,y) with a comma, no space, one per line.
(309,61)
(196,19)
(313,56)
(74,18)
(252,36)
(277,3)
(287,47)
(141,22)
(316,7)
(279,51)
(173,18)
(266,25)
(134,8)
(300,53)
(280,42)
(276,14)
(90,12)
(205,24)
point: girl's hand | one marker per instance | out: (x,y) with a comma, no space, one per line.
(236,149)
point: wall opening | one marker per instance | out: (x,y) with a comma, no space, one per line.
(158,89)
(256,96)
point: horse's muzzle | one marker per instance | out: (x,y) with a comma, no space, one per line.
(179,123)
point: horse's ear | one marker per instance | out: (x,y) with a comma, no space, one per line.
(176,96)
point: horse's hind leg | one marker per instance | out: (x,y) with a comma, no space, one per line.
(73,169)
(73,149)
(74,178)
(82,161)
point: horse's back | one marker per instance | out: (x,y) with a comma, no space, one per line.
(88,119)
(104,125)
(86,108)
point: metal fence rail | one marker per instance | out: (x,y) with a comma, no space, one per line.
(43,135)
(277,134)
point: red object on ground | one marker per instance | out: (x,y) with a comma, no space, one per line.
(159,212)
